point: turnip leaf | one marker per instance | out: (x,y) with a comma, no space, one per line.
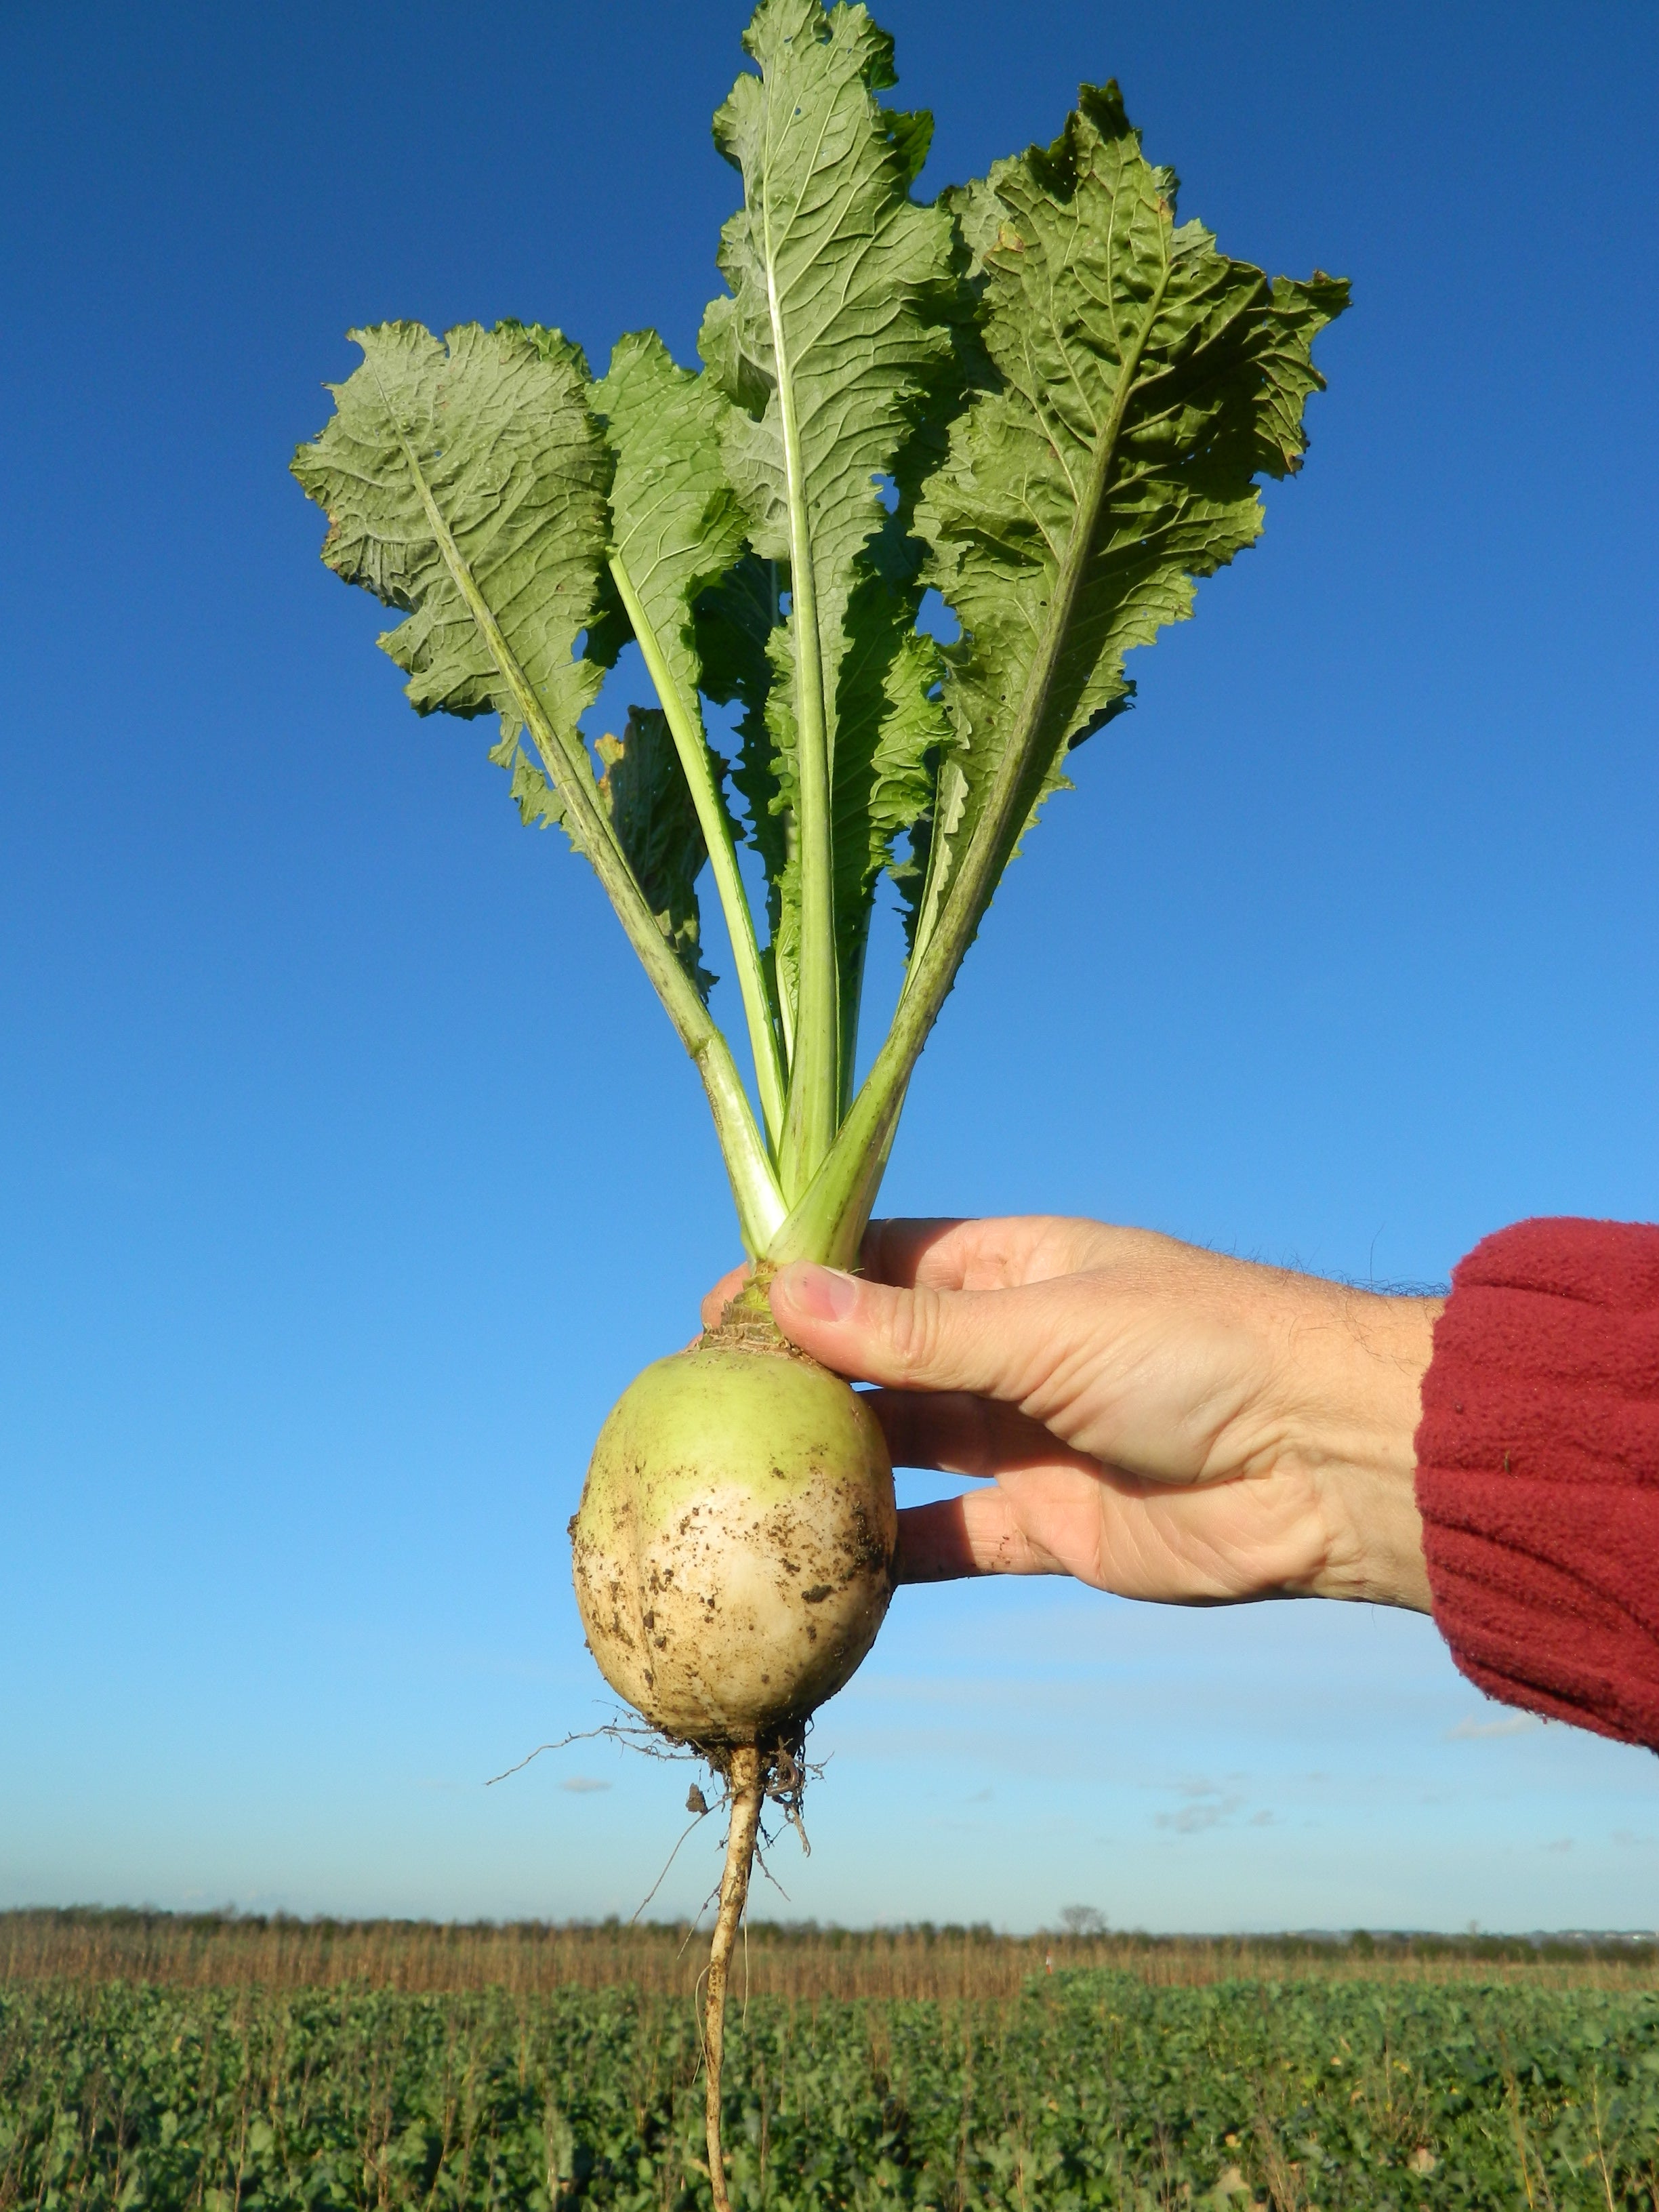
(734,621)
(1039,396)
(464,481)
(516,465)
(675,525)
(1136,383)
(893,731)
(1142,382)
(651,808)
(676,528)
(737,622)
(645,796)
(828,344)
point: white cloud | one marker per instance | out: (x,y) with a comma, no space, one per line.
(1469,1729)
(1208,1805)
(582,1785)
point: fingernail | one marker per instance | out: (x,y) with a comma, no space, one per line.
(823,1293)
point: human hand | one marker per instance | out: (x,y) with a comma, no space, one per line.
(1158,1420)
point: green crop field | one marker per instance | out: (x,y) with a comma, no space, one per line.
(1090,2086)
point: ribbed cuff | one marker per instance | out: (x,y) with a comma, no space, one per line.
(1538,1472)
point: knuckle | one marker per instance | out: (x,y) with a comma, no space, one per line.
(914,1331)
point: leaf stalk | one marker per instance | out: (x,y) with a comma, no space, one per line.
(692,747)
(815,1066)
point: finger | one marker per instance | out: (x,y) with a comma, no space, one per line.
(950,1432)
(994,1254)
(895,1251)
(715,1302)
(994,1344)
(962,1536)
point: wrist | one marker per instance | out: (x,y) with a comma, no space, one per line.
(1350,1436)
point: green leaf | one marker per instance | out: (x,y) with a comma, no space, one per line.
(678,526)
(537,800)
(465,480)
(645,795)
(733,624)
(1135,383)
(838,280)
(1141,383)
(891,728)
(648,799)
(678,529)
(892,731)
(739,630)
(497,422)
(830,345)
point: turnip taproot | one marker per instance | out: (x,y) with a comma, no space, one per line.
(1038,396)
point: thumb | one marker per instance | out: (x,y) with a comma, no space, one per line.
(911,1339)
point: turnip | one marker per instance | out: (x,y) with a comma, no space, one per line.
(1037,397)
(725,1597)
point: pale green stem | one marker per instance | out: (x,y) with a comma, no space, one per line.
(829,1223)
(685,726)
(754,1186)
(852,1001)
(815,1066)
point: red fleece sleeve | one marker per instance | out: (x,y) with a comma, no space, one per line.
(1538,1472)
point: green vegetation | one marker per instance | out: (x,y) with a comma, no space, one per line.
(1039,395)
(1089,2089)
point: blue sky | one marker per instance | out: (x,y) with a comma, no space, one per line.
(350,1170)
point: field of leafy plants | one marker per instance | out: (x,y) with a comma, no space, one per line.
(1089,2088)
